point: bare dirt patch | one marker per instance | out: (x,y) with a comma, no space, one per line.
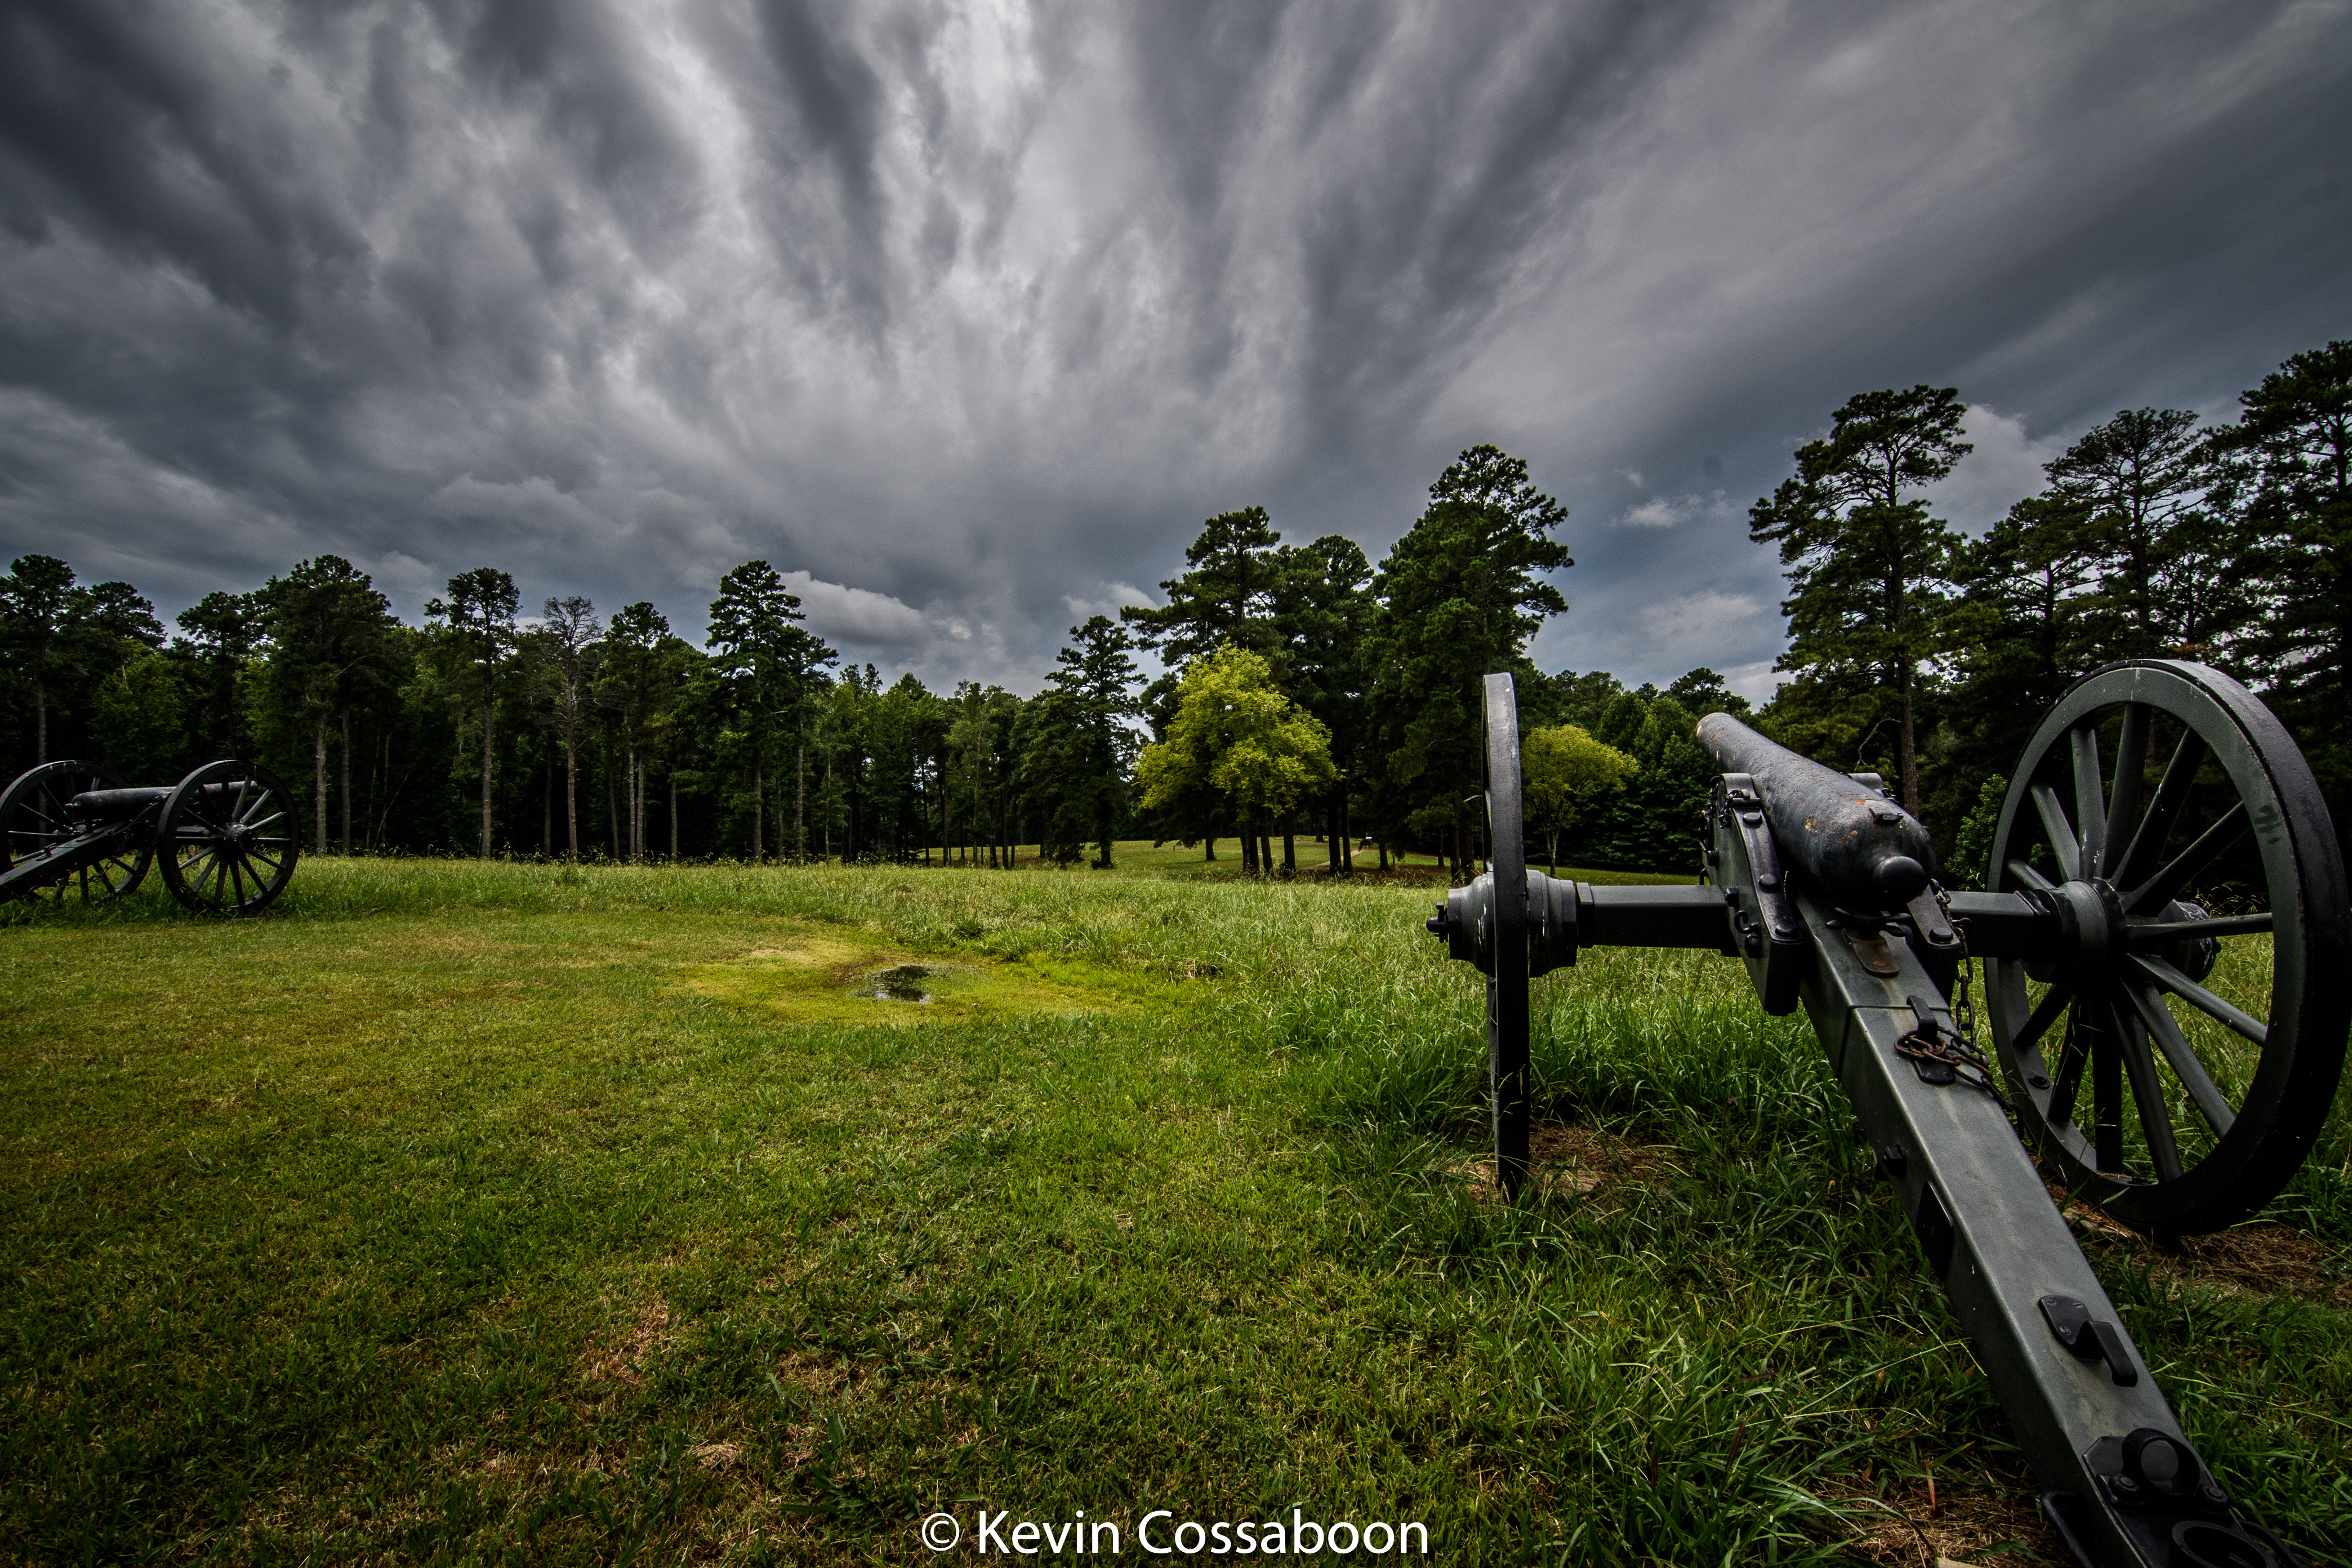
(621,1357)
(1907,1530)
(2262,1256)
(1568,1163)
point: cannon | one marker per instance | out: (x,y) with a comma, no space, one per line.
(2139,1049)
(225,838)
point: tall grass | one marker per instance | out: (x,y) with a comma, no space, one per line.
(433,1215)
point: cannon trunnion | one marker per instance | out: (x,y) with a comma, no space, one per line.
(2150,1090)
(225,838)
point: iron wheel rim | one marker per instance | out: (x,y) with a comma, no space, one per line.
(33,819)
(2131,1033)
(228,838)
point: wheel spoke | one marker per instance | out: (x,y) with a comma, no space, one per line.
(2062,837)
(2147,1095)
(2106,1092)
(273,817)
(2163,811)
(2167,978)
(192,865)
(2066,1083)
(2165,886)
(2038,1023)
(2156,934)
(2187,1065)
(2029,877)
(2090,800)
(2131,767)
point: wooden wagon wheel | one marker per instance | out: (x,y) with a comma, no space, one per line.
(33,819)
(2176,1069)
(1507,986)
(229,836)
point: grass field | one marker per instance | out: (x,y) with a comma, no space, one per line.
(504,1213)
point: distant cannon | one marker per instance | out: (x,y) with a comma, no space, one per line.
(2122,1067)
(225,838)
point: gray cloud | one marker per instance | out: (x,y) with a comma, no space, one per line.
(967,315)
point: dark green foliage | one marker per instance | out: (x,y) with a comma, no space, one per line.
(1581,699)
(219,635)
(1227,597)
(769,667)
(1076,748)
(2288,464)
(60,640)
(478,617)
(1865,568)
(334,650)
(1652,822)
(1463,592)
(2132,493)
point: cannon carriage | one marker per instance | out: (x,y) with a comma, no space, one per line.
(224,838)
(2172,1066)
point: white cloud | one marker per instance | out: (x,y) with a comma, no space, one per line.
(1757,681)
(1666,512)
(2005,467)
(857,614)
(1113,598)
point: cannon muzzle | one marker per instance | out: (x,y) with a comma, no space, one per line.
(1857,849)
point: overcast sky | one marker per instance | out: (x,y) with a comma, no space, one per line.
(966,316)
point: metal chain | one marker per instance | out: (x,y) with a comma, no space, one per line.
(1958,1050)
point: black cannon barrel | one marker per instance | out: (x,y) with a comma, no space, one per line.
(1852,844)
(116,805)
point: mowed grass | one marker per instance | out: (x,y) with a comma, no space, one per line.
(492,1213)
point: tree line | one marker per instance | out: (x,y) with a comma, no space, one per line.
(1301,689)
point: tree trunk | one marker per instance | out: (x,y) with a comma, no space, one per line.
(800,802)
(547,800)
(40,722)
(673,814)
(490,709)
(319,781)
(1910,752)
(1249,850)
(1346,838)
(1289,845)
(1209,846)
(612,804)
(759,810)
(347,780)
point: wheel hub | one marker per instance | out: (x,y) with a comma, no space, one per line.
(2091,930)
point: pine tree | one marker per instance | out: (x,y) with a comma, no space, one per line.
(1227,597)
(2288,462)
(1461,592)
(333,645)
(2136,489)
(769,662)
(1865,566)
(480,616)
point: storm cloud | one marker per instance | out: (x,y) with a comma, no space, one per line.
(965,316)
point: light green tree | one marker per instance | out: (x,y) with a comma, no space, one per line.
(1237,735)
(1559,764)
